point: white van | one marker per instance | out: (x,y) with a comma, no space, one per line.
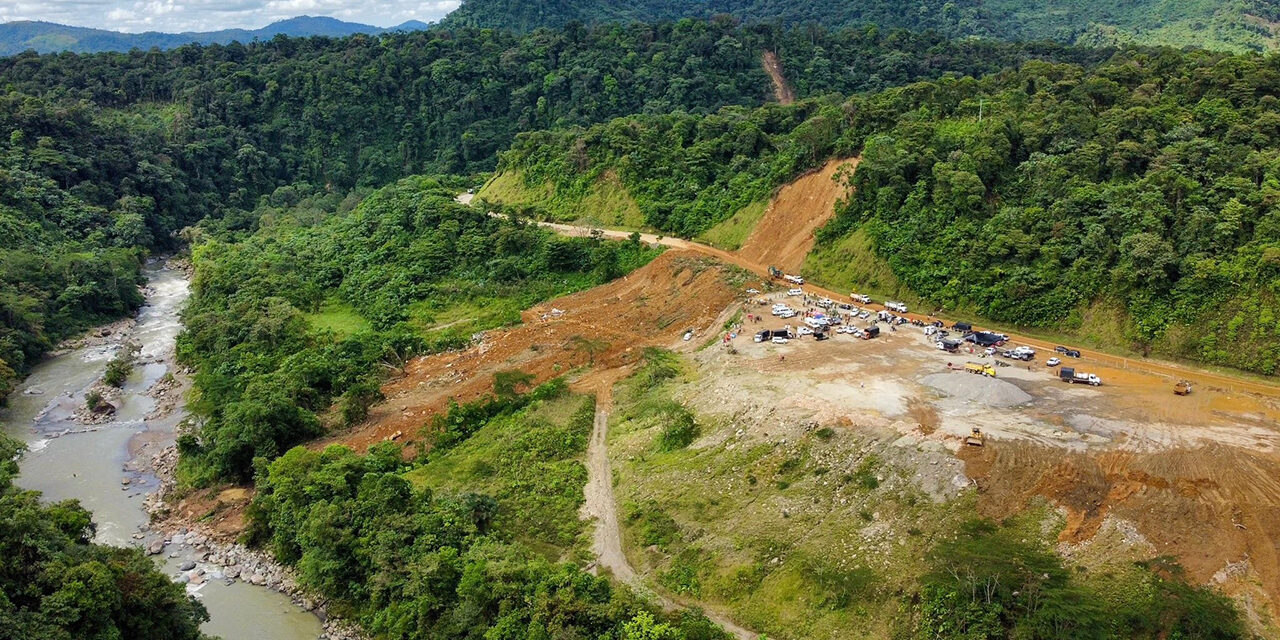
(795,292)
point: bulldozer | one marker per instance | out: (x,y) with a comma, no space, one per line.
(1182,388)
(975,438)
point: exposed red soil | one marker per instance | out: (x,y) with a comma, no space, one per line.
(652,306)
(784,236)
(782,90)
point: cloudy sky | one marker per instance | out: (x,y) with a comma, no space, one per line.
(211,15)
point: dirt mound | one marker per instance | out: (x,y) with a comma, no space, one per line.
(991,392)
(784,236)
(605,327)
(1188,503)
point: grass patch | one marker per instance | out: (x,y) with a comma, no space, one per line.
(338,317)
(734,230)
(529,461)
(604,203)
(852,265)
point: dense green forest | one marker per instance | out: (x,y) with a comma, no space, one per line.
(106,157)
(56,584)
(1232,25)
(1141,186)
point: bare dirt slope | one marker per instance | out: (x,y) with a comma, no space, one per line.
(784,236)
(782,90)
(606,327)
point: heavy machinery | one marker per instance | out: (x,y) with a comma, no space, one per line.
(975,438)
(1069,374)
(981,369)
(1182,388)
(774,272)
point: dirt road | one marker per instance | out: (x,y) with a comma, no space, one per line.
(1170,370)
(606,540)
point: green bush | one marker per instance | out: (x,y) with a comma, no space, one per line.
(679,429)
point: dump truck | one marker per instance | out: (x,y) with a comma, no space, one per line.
(870,333)
(981,369)
(975,438)
(1068,374)
(1182,388)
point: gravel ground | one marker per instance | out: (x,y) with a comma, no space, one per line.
(991,392)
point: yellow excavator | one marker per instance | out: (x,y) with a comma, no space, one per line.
(1182,388)
(976,439)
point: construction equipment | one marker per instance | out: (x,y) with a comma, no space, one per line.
(975,438)
(981,369)
(1182,388)
(774,272)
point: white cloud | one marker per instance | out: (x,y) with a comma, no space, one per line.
(212,15)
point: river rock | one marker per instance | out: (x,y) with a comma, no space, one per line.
(257,579)
(217,575)
(233,571)
(187,566)
(179,539)
(155,548)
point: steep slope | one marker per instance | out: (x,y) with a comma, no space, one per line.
(785,235)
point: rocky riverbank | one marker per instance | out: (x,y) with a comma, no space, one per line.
(204,556)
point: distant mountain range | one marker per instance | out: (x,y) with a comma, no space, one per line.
(49,37)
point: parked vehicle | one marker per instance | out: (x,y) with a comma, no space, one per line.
(962,326)
(795,292)
(688,335)
(1068,374)
(871,332)
(787,314)
(947,344)
(991,351)
(860,297)
(794,279)
(1182,388)
(1052,362)
(930,330)
(895,306)
(753,291)
(762,336)
(981,369)
(984,339)
(1072,353)
(821,335)
(864,315)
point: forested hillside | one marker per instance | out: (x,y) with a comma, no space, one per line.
(1139,188)
(106,157)
(1232,25)
(260,327)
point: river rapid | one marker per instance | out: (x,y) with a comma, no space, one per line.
(105,467)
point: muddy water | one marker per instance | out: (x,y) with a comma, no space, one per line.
(91,463)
